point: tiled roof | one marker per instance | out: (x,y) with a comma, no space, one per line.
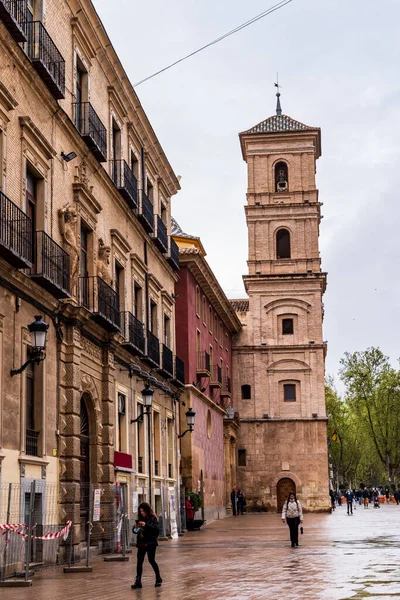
(240,305)
(278,123)
(177,230)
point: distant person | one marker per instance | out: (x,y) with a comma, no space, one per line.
(189,513)
(234,501)
(387,495)
(333,499)
(147,530)
(339,498)
(366,497)
(349,499)
(397,496)
(241,502)
(292,514)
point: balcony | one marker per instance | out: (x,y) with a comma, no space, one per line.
(16,240)
(101,300)
(167,364)
(226,388)
(203,364)
(92,130)
(173,255)
(46,58)
(179,378)
(152,350)
(52,269)
(125,182)
(216,377)
(161,236)
(133,332)
(13,15)
(146,213)
(122,461)
(31,442)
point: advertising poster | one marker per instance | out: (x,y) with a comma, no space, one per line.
(96,505)
(172,508)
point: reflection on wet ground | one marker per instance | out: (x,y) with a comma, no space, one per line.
(340,558)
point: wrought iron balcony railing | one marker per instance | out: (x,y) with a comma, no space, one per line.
(173,255)
(216,376)
(101,300)
(203,363)
(46,58)
(227,387)
(161,235)
(179,371)
(167,365)
(125,181)
(152,349)
(146,212)
(133,331)
(91,129)
(13,14)
(31,442)
(52,266)
(16,234)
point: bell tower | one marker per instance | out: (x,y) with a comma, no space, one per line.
(279,356)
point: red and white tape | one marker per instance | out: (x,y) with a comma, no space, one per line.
(15,528)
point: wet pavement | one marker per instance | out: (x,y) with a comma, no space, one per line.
(340,557)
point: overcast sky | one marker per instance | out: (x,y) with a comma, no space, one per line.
(338,63)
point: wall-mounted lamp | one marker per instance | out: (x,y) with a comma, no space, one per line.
(190,419)
(315,415)
(147,397)
(38,330)
(68,157)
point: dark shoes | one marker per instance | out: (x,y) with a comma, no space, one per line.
(137,584)
(158,582)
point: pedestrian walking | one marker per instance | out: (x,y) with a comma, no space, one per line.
(349,498)
(397,496)
(333,499)
(339,498)
(366,497)
(147,530)
(189,513)
(387,495)
(292,513)
(241,502)
(234,501)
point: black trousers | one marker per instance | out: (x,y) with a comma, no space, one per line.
(151,555)
(294,529)
(350,508)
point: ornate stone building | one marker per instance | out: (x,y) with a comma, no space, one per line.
(207,323)
(279,355)
(85,196)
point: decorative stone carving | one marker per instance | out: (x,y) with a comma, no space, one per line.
(83,176)
(91,349)
(67,219)
(103,262)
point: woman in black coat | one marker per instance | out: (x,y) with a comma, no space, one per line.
(147,530)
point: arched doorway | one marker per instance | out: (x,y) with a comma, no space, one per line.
(283,489)
(84,459)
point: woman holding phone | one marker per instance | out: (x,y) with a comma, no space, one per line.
(147,530)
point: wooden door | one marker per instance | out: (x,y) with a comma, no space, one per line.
(283,489)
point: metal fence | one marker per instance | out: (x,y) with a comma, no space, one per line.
(48,524)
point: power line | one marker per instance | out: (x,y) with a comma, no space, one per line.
(267,12)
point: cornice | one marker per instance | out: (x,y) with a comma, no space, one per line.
(202,272)
(191,388)
(30,130)
(120,241)
(6,98)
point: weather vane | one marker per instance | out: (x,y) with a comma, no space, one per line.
(278,95)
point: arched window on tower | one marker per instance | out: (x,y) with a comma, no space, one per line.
(281,177)
(283,244)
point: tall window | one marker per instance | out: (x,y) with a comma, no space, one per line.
(170,432)
(287,326)
(138,302)
(31,197)
(116,141)
(289,392)
(153,318)
(120,284)
(204,307)
(163,213)
(31,420)
(134,164)
(150,191)
(210,319)
(283,244)
(167,331)
(157,443)
(198,306)
(82,83)
(140,441)
(246,392)
(198,348)
(84,251)
(241,457)
(281,177)
(121,422)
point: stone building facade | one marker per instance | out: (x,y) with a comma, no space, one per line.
(279,355)
(206,324)
(85,191)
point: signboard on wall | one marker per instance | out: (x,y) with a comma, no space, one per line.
(172,510)
(96,505)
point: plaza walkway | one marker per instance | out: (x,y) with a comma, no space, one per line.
(249,557)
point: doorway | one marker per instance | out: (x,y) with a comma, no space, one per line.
(37,522)
(284,487)
(84,460)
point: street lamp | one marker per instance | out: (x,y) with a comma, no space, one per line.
(38,331)
(190,420)
(147,397)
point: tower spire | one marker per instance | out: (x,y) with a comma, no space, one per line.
(278,96)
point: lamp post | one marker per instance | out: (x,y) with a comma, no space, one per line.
(190,420)
(38,331)
(147,396)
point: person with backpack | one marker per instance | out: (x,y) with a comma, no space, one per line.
(147,530)
(241,502)
(349,497)
(366,497)
(292,514)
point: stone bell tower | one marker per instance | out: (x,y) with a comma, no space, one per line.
(279,356)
